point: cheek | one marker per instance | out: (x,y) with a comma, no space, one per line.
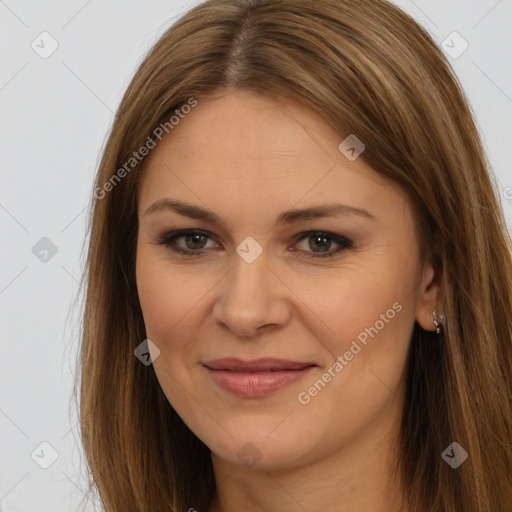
(160,308)
(370,322)
(169,296)
(358,305)
(170,300)
(364,322)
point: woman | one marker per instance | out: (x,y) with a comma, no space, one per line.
(299,276)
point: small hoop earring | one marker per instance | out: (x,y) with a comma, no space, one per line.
(437,323)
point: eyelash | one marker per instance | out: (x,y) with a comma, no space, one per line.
(169,238)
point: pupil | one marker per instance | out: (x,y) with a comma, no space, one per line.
(325,240)
(194,239)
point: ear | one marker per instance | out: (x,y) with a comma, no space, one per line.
(429,298)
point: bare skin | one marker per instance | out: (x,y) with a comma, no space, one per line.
(249,159)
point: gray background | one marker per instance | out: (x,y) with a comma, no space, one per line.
(55,115)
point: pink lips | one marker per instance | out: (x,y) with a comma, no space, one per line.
(255,378)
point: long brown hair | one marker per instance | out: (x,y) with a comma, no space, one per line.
(368,69)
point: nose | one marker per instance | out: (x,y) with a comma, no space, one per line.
(252,299)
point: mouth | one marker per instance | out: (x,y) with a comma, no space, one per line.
(256,378)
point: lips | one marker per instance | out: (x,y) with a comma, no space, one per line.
(257,365)
(257,378)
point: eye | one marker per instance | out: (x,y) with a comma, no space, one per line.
(194,240)
(321,242)
(194,243)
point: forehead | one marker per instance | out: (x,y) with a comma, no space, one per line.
(253,150)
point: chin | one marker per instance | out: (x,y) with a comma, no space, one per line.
(256,449)
(260,454)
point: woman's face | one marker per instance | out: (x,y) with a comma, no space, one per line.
(332,296)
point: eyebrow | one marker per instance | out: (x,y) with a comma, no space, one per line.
(287,217)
